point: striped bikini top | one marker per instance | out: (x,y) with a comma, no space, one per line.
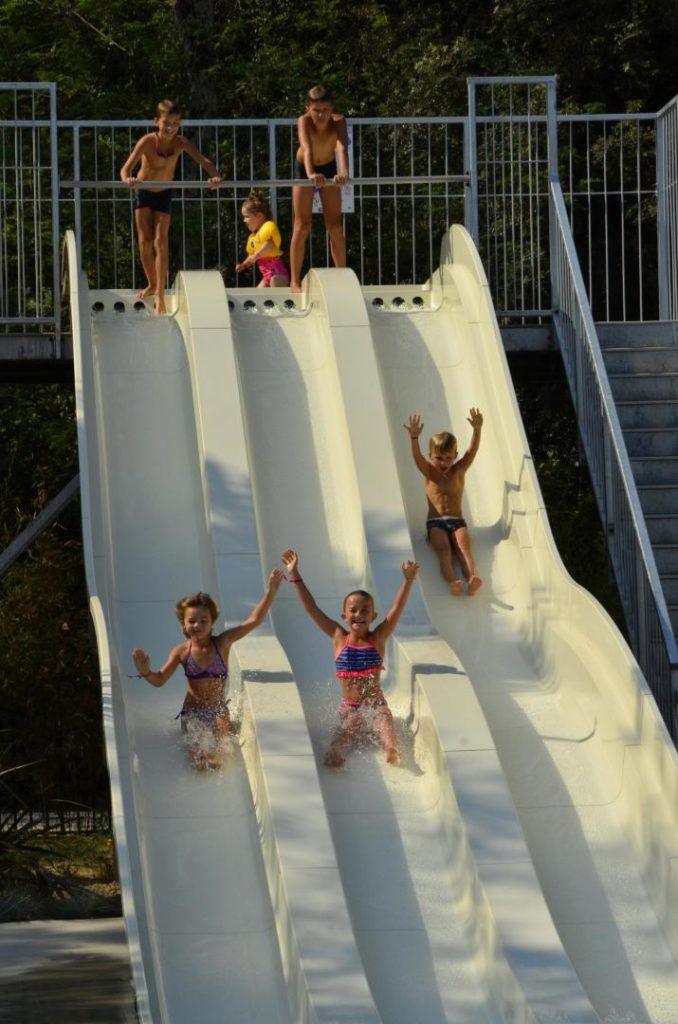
(215,670)
(358,661)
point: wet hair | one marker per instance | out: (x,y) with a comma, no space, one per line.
(360,593)
(443,441)
(257,202)
(318,94)
(168,107)
(199,600)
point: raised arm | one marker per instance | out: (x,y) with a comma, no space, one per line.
(142,664)
(414,427)
(475,418)
(386,627)
(324,622)
(257,615)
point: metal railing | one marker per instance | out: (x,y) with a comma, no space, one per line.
(667,209)
(29,206)
(647,616)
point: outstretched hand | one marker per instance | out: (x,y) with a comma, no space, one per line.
(410,569)
(414,426)
(275,579)
(290,560)
(142,661)
(475,418)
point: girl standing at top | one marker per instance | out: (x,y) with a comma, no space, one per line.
(322,157)
(204,659)
(263,245)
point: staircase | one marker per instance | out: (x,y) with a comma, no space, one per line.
(642,365)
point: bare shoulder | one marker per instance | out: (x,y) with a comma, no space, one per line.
(180,652)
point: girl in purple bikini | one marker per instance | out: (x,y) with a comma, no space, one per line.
(359,659)
(204,659)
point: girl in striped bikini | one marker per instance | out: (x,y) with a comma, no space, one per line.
(358,654)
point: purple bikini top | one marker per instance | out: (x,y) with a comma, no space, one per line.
(215,670)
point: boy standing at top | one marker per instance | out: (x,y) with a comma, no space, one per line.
(158,153)
(445,526)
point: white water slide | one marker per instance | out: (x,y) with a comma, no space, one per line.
(521,864)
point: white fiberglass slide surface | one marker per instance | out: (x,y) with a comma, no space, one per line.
(200,923)
(589,765)
(425,935)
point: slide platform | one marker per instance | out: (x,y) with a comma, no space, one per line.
(521,863)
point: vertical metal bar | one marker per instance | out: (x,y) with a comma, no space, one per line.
(471,155)
(662,218)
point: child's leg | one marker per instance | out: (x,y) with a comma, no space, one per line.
(462,544)
(349,727)
(280,281)
(331,200)
(442,545)
(221,728)
(302,199)
(143,217)
(385,730)
(161,226)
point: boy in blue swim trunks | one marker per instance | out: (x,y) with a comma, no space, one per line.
(359,659)
(322,156)
(158,153)
(446,528)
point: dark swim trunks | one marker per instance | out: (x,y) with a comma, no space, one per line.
(160,201)
(329,170)
(448,523)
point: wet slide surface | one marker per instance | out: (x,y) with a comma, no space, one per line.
(438,916)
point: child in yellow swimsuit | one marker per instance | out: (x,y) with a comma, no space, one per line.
(263,245)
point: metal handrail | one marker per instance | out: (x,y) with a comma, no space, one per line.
(420,179)
(611,474)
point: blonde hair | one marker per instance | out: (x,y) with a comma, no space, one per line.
(257,202)
(167,107)
(318,94)
(443,441)
(198,600)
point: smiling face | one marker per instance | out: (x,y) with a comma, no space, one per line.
(198,623)
(359,613)
(444,460)
(168,125)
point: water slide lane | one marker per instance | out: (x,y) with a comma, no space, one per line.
(590,767)
(427,936)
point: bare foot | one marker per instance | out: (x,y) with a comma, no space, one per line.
(145,292)
(474,584)
(455,588)
(160,307)
(295,288)
(334,760)
(392,756)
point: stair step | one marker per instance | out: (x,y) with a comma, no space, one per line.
(655,470)
(648,414)
(662,528)
(666,557)
(655,359)
(653,442)
(670,588)
(642,387)
(662,498)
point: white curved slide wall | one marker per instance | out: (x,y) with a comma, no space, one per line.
(520,864)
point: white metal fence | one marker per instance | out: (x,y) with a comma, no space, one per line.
(488,169)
